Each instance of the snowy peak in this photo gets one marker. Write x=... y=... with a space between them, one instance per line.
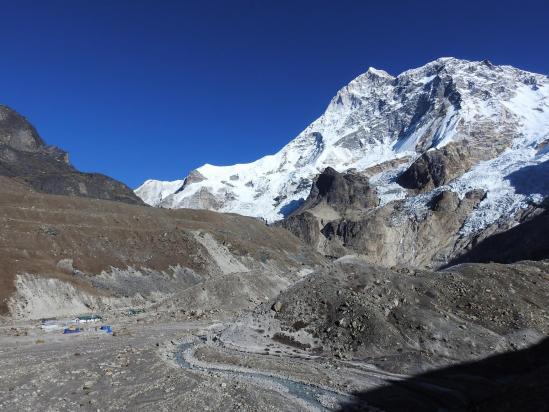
x=156 y=190
x=378 y=119
x=372 y=71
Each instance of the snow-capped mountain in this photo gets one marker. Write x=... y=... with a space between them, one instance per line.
x=497 y=115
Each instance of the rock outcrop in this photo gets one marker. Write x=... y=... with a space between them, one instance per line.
x=349 y=219
x=438 y=167
x=25 y=157
x=341 y=192
x=16 y=132
x=526 y=241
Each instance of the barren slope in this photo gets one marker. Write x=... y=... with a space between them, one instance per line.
x=115 y=249
x=405 y=321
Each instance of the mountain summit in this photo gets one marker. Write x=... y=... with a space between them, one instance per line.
x=452 y=123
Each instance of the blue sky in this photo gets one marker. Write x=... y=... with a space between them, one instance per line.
x=153 y=89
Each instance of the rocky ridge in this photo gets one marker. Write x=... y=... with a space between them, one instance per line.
x=24 y=156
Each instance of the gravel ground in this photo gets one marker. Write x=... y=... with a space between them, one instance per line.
x=132 y=370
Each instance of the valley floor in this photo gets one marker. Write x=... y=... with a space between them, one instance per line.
x=167 y=365
x=142 y=367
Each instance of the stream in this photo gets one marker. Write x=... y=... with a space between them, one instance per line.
x=310 y=394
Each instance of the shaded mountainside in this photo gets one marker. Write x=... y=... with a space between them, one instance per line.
x=528 y=240
x=62 y=254
x=25 y=157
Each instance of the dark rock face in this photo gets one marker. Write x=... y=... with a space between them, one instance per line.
x=17 y=133
x=390 y=235
x=304 y=226
x=25 y=157
x=426 y=172
x=341 y=191
x=335 y=194
x=444 y=202
x=438 y=167
x=193 y=177
x=435 y=168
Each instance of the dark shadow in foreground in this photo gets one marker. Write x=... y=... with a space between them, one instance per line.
x=512 y=381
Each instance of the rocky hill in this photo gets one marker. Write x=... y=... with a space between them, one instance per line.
x=342 y=216
x=405 y=320
x=469 y=338
x=24 y=156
